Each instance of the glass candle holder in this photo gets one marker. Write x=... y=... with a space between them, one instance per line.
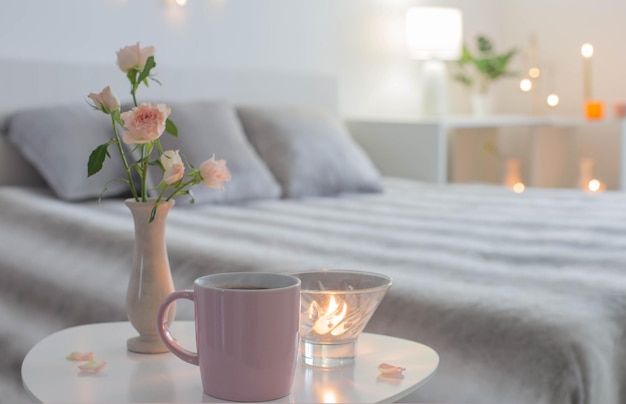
x=335 y=308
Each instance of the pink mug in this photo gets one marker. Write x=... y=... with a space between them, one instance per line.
x=246 y=333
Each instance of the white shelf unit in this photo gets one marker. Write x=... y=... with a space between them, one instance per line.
x=422 y=149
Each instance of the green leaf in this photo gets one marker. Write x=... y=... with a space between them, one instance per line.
x=156 y=163
x=463 y=79
x=157 y=143
x=104 y=189
x=162 y=185
x=153 y=213
x=147 y=149
x=484 y=45
x=488 y=64
x=187 y=163
x=138 y=168
x=150 y=64
x=132 y=76
x=171 y=128
x=96 y=159
x=466 y=55
x=155 y=80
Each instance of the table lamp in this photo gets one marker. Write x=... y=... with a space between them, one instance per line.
x=434 y=35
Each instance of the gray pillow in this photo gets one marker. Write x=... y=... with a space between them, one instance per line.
x=57 y=141
x=211 y=127
x=309 y=151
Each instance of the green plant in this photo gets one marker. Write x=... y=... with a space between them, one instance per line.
x=481 y=68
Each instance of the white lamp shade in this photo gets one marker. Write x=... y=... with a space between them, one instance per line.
x=434 y=33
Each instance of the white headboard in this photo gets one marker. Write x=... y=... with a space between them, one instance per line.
x=26 y=84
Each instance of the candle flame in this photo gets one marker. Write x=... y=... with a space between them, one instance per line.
x=519 y=187
x=526 y=85
x=329 y=397
x=586 y=50
x=552 y=100
x=534 y=72
x=594 y=185
x=330 y=321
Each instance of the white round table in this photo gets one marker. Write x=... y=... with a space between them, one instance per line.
x=129 y=377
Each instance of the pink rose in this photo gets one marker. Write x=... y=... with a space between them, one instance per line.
x=133 y=57
x=144 y=123
x=214 y=172
x=173 y=165
x=105 y=101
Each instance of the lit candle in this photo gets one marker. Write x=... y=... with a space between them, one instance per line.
x=587 y=51
x=335 y=307
x=526 y=85
x=519 y=187
x=596 y=185
x=552 y=100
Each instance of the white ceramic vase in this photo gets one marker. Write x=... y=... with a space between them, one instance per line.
x=150 y=279
x=481 y=104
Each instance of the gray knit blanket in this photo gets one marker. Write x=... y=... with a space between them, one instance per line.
x=523 y=296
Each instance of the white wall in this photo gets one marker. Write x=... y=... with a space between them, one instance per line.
x=359 y=41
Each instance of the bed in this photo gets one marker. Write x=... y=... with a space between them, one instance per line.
x=523 y=296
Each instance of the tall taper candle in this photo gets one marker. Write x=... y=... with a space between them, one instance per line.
x=587 y=51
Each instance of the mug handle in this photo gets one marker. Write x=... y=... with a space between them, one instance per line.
x=164 y=329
